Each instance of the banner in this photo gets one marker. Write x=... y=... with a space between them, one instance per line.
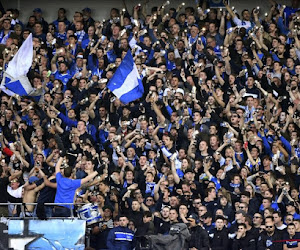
x=46 y=234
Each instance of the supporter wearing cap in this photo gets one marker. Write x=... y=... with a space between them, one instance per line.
x=199 y=237
x=87 y=18
x=291 y=209
x=37 y=12
x=30 y=193
x=207 y=222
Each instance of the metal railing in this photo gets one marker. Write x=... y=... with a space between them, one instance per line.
x=23 y=209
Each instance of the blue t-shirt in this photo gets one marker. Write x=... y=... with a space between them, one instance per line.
x=65 y=190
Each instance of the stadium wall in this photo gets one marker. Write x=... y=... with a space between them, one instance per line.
x=100 y=8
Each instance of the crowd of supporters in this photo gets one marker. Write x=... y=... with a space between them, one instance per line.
x=212 y=144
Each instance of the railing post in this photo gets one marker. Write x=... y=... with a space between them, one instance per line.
x=72 y=213
x=23 y=210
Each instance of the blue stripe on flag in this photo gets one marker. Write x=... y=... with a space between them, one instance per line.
x=126 y=83
x=7 y=79
x=121 y=73
x=16 y=87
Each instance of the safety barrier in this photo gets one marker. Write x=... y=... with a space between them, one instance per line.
x=23 y=210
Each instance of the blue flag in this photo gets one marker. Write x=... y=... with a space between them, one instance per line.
x=126 y=83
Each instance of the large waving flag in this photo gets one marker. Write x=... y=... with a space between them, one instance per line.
x=15 y=80
x=126 y=83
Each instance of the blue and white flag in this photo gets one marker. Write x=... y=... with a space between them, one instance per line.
x=126 y=83
x=15 y=80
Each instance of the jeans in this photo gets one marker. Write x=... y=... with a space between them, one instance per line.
x=48 y=211
x=61 y=212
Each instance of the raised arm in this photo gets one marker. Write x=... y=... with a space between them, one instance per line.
x=58 y=165
x=89 y=177
x=176 y=177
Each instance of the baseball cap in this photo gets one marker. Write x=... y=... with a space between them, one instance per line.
x=38 y=10
x=179 y=90
x=87 y=10
x=32 y=179
x=194 y=216
x=291 y=203
x=189 y=170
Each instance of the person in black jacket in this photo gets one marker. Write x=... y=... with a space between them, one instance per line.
x=199 y=237
x=219 y=235
x=242 y=240
x=271 y=238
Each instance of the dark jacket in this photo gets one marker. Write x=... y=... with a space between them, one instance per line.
x=120 y=238
x=199 y=238
x=273 y=242
x=219 y=239
x=245 y=243
x=177 y=239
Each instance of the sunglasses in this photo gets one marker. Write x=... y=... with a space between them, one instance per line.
x=241 y=207
x=197 y=203
x=269 y=226
x=257 y=217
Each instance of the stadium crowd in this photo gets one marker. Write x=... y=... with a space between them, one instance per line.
x=212 y=144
